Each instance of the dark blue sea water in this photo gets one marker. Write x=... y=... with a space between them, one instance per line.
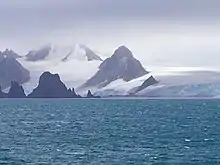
x=110 y=132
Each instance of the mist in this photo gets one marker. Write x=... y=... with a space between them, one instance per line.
x=175 y=33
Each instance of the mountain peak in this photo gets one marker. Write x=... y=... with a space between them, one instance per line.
x=122 y=52
x=12 y=70
x=9 y=53
x=48 y=76
x=121 y=65
x=16 y=91
x=40 y=54
x=150 y=81
x=50 y=86
x=90 y=55
x=62 y=53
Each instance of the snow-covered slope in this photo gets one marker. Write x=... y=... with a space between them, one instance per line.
x=121 y=87
x=171 y=83
x=53 y=52
x=185 y=84
x=70 y=63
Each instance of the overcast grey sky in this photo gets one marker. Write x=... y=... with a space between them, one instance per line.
x=158 y=31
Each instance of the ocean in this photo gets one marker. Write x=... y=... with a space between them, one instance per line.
x=109 y=132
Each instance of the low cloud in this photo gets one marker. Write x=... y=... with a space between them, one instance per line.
x=181 y=32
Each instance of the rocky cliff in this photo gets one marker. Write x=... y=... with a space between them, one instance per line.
x=150 y=81
x=50 y=86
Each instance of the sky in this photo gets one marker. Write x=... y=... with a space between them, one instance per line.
x=159 y=32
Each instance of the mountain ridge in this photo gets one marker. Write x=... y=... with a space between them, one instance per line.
x=62 y=53
x=12 y=70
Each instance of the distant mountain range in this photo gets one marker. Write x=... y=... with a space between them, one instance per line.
x=121 y=65
x=51 y=51
x=121 y=74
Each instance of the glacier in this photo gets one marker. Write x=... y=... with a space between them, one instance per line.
x=185 y=84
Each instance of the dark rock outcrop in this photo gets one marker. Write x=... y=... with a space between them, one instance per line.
x=50 y=86
x=12 y=70
x=150 y=81
x=72 y=93
x=122 y=65
x=90 y=95
x=90 y=55
x=37 y=55
x=10 y=54
x=67 y=57
x=16 y=91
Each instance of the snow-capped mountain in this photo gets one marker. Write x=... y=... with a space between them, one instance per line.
x=121 y=65
x=55 y=52
x=84 y=52
x=119 y=75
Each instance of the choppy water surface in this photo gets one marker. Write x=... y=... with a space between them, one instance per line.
x=110 y=132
